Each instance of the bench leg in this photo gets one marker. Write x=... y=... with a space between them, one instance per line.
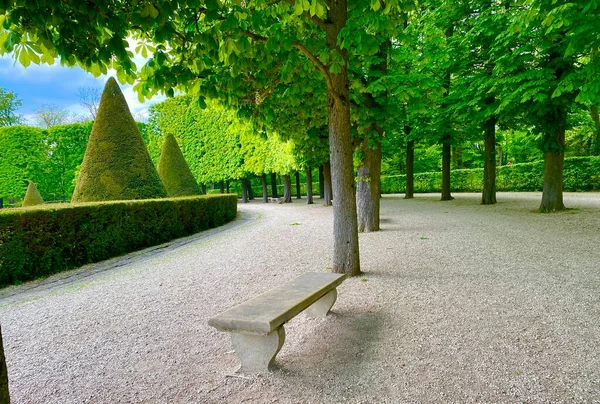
x=257 y=352
x=321 y=307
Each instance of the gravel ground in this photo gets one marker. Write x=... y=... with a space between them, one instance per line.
x=458 y=303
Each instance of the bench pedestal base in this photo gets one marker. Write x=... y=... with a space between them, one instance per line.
x=321 y=307
x=257 y=352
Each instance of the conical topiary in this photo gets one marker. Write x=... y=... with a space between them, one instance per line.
x=174 y=171
x=32 y=196
x=116 y=164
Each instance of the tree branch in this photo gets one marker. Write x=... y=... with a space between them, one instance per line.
x=320 y=66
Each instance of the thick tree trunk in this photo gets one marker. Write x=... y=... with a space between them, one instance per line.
x=298 y=196
x=4 y=393
x=554 y=158
x=309 y=189
x=345 y=228
x=265 y=189
x=222 y=187
x=328 y=193
x=446 y=157
x=321 y=183
x=368 y=189
x=274 y=185
x=244 y=190
x=488 y=196
x=287 y=189
x=410 y=168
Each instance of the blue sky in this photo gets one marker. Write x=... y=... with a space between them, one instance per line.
x=41 y=85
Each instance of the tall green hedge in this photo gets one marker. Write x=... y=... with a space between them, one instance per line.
x=580 y=174
x=39 y=242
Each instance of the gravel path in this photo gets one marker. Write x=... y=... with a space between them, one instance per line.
x=459 y=303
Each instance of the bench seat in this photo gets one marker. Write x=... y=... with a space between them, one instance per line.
x=256 y=326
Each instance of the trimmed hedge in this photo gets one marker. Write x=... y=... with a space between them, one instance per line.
x=580 y=174
x=43 y=241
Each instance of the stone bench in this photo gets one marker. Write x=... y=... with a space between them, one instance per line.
x=256 y=326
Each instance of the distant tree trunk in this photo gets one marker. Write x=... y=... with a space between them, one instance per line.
x=203 y=189
x=595 y=149
x=327 y=184
x=488 y=196
x=4 y=393
x=244 y=190
x=287 y=189
x=222 y=187
x=309 y=190
x=227 y=185
x=446 y=157
x=274 y=185
x=554 y=156
x=298 y=196
x=499 y=155
x=250 y=192
x=410 y=167
x=1 y=203
x=265 y=189
x=457 y=157
x=321 y=182
x=368 y=189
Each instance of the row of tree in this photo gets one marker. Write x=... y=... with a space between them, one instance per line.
x=356 y=74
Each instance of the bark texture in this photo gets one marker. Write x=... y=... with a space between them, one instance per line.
x=287 y=189
x=4 y=393
x=488 y=197
x=410 y=167
x=265 y=189
x=446 y=158
x=309 y=188
x=554 y=160
x=368 y=188
x=328 y=189
x=345 y=228
x=321 y=183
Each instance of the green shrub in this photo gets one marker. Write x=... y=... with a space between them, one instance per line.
x=32 y=196
x=174 y=171
x=116 y=164
x=38 y=242
x=580 y=174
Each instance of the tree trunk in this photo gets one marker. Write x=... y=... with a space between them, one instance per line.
x=298 y=196
x=488 y=196
x=222 y=187
x=309 y=190
x=368 y=189
x=345 y=227
x=250 y=192
x=321 y=183
x=203 y=189
x=244 y=190
x=227 y=185
x=410 y=168
x=554 y=159
x=499 y=155
x=595 y=149
x=263 y=180
x=328 y=196
x=287 y=189
x=4 y=393
x=274 y=185
x=446 y=157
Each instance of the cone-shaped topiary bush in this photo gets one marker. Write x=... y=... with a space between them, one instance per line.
x=116 y=164
x=32 y=196
x=174 y=171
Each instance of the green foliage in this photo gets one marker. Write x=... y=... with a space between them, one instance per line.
x=116 y=165
x=32 y=196
x=39 y=242
x=23 y=157
x=580 y=174
x=174 y=171
x=9 y=103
